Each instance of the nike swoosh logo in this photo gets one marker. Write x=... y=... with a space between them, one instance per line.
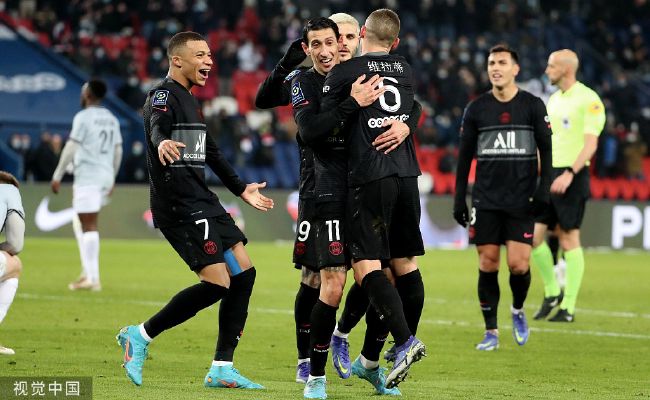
x=47 y=220
x=127 y=350
x=231 y=384
x=528 y=235
x=518 y=337
x=344 y=370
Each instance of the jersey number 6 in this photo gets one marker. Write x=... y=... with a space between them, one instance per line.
x=394 y=91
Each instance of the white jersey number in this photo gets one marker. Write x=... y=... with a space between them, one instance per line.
x=394 y=91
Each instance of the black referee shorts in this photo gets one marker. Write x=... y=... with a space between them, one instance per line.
x=499 y=226
x=383 y=219
x=568 y=210
x=204 y=242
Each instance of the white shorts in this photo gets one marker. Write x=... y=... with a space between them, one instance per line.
x=89 y=199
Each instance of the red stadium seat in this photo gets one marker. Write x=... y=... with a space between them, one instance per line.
x=626 y=189
x=641 y=190
x=612 y=189
x=597 y=188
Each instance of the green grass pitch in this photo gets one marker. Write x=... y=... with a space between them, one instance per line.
x=605 y=354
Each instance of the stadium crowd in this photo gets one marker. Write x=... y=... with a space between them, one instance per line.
x=444 y=40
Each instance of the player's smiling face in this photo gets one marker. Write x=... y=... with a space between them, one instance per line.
x=349 y=41
x=323 y=49
x=195 y=61
x=502 y=69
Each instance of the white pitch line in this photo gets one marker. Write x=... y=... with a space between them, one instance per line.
x=284 y=311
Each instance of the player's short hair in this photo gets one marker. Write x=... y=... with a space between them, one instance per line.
x=97 y=88
x=343 y=18
x=382 y=26
x=317 y=24
x=504 y=48
x=6 y=177
x=180 y=39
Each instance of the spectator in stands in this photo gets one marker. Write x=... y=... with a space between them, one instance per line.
x=607 y=156
x=227 y=65
x=249 y=56
x=135 y=165
x=45 y=158
x=634 y=150
x=131 y=93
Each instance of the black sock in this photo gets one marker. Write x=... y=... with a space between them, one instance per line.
x=554 y=245
x=323 y=321
x=411 y=290
x=233 y=312
x=488 y=296
x=183 y=306
x=376 y=333
x=519 y=285
x=356 y=304
x=385 y=299
x=305 y=300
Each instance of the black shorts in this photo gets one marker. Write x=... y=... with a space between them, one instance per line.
x=568 y=210
x=330 y=234
x=383 y=219
x=204 y=242
x=498 y=226
x=304 y=247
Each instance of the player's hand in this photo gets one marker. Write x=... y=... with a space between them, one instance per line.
x=252 y=196
x=55 y=185
x=168 y=151
x=366 y=93
x=461 y=213
x=389 y=140
x=562 y=183
x=294 y=56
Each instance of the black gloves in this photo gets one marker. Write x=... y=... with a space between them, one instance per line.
x=294 y=56
x=461 y=213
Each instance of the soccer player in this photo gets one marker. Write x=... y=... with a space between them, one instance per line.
x=273 y=92
x=577 y=117
x=317 y=128
x=504 y=129
x=95 y=149
x=12 y=221
x=382 y=210
x=191 y=218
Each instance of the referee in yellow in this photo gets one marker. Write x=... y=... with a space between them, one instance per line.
x=577 y=117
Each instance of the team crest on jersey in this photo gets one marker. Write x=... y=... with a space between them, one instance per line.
x=297 y=97
x=159 y=98
x=292 y=75
x=336 y=248
x=595 y=108
x=299 y=249
x=210 y=247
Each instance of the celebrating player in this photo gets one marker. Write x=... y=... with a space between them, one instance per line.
x=504 y=129
x=191 y=218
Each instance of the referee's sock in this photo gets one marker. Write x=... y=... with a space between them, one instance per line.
x=356 y=304
x=385 y=299
x=305 y=300
x=519 y=285
x=376 y=333
x=543 y=260
x=183 y=306
x=411 y=290
x=233 y=312
x=575 y=269
x=323 y=320
x=488 y=296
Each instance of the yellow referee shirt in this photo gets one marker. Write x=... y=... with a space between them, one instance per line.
x=572 y=114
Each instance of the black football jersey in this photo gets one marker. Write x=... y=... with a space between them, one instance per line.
x=178 y=191
x=318 y=128
x=504 y=137
x=365 y=163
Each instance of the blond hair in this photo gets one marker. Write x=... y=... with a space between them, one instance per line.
x=343 y=18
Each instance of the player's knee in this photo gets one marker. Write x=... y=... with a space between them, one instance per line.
x=311 y=279
x=519 y=267
x=489 y=263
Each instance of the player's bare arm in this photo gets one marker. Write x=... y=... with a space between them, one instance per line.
x=367 y=93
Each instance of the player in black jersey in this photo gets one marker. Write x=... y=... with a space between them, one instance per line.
x=190 y=216
x=275 y=91
x=383 y=200
x=504 y=129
